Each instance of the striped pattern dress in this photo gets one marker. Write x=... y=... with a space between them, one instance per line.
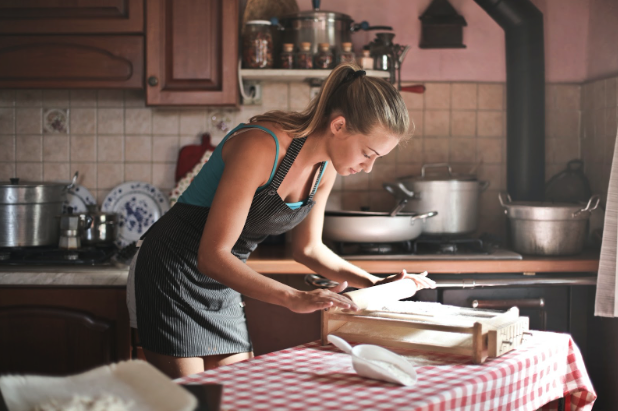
x=184 y=313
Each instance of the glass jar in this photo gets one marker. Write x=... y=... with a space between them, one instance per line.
x=286 y=58
x=304 y=57
x=346 y=55
x=324 y=57
x=257 y=44
x=366 y=62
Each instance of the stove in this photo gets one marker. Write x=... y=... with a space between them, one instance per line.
x=427 y=248
x=50 y=255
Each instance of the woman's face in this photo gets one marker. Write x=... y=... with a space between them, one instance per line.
x=353 y=153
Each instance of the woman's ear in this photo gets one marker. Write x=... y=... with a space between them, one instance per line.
x=337 y=125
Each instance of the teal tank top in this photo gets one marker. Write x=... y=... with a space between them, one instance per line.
x=202 y=189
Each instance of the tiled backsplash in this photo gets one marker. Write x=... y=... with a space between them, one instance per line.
x=113 y=137
x=598 y=131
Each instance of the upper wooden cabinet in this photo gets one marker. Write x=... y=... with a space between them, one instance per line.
x=192 y=52
x=71 y=16
x=72 y=61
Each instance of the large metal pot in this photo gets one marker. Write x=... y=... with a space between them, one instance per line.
x=28 y=211
x=454 y=196
x=373 y=227
x=544 y=228
x=316 y=26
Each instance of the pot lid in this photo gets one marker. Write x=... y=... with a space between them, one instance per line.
x=445 y=173
x=259 y=22
x=546 y=210
x=19 y=183
x=316 y=15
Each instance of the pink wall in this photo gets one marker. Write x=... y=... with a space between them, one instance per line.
x=566 y=34
x=602 y=56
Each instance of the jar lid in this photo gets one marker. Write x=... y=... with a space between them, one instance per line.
x=324 y=46
x=288 y=46
x=346 y=45
x=305 y=45
x=262 y=22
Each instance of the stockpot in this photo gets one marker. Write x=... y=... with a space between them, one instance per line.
x=317 y=26
x=454 y=196
x=545 y=228
x=373 y=226
x=28 y=211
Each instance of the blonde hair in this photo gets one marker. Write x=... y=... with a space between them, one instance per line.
x=364 y=102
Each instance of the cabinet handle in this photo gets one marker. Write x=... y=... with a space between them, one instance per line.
x=153 y=81
x=538 y=303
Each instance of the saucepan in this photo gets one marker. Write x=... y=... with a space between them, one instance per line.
x=373 y=226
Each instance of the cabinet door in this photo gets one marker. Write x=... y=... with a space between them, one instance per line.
x=62 y=331
x=71 y=16
x=47 y=340
x=192 y=52
x=71 y=61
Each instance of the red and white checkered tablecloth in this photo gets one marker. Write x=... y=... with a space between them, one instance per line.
x=546 y=367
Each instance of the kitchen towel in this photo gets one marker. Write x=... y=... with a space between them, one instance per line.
x=605 y=303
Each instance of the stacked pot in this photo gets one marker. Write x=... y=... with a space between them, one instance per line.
x=454 y=196
x=28 y=211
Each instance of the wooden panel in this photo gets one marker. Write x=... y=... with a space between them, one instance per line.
x=71 y=61
x=71 y=16
x=92 y=322
x=192 y=52
x=53 y=341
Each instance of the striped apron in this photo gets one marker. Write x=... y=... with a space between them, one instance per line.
x=182 y=312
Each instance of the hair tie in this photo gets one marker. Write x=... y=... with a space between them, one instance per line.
x=358 y=73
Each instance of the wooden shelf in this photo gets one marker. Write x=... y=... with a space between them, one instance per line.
x=296 y=74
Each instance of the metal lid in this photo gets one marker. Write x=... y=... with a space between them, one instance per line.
x=316 y=15
x=16 y=191
x=260 y=22
x=448 y=176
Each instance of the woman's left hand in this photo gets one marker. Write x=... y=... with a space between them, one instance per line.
x=421 y=279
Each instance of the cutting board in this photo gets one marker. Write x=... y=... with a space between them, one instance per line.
x=190 y=155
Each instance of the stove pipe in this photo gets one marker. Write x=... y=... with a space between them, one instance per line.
x=525 y=90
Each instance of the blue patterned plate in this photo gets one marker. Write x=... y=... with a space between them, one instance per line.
x=138 y=205
x=79 y=198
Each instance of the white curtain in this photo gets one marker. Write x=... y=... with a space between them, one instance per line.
x=606 y=304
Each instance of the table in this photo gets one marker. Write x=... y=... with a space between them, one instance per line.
x=548 y=366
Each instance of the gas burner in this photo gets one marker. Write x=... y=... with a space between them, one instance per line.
x=447 y=245
x=71 y=255
x=343 y=248
x=47 y=255
x=448 y=248
x=377 y=248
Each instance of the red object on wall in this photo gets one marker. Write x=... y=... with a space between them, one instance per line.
x=420 y=89
x=190 y=155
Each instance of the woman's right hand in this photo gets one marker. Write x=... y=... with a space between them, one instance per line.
x=321 y=299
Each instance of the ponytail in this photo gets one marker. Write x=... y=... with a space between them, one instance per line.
x=364 y=102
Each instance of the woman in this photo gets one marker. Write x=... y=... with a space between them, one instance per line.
x=263 y=179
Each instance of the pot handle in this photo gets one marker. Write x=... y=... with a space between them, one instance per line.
x=436 y=165
x=508 y=197
x=596 y=199
x=424 y=215
x=484 y=185
x=73 y=181
x=398 y=188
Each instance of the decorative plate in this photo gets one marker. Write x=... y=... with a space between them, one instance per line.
x=139 y=205
x=79 y=198
x=56 y=120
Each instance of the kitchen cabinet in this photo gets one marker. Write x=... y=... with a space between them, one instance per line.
x=62 y=330
x=88 y=61
x=71 y=17
x=273 y=328
x=192 y=52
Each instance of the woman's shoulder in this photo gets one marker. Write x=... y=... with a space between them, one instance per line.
x=258 y=140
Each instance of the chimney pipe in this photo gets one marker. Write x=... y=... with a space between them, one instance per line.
x=525 y=90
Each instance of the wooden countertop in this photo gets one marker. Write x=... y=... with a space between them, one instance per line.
x=269 y=259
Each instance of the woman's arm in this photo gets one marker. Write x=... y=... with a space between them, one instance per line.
x=309 y=249
x=249 y=158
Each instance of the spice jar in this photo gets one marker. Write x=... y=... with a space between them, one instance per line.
x=324 y=57
x=346 y=55
x=286 y=58
x=257 y=44
x=304 y=57
x=366 y=62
